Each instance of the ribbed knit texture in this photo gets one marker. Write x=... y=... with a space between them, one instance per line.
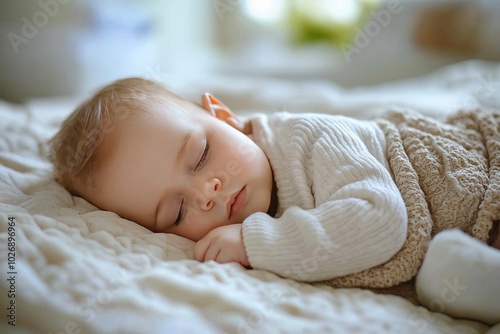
x=339 y=210
x=341 y=218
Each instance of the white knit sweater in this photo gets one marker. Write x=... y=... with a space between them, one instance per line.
x=339 y=210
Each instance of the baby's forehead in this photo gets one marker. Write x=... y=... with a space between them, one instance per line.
x=175 y=122
x=173 y=110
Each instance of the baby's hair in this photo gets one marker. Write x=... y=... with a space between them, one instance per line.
x=79 y=148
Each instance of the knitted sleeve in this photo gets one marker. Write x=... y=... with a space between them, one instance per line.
x=348 y=214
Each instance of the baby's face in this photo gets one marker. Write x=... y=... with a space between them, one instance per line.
x=183 y=172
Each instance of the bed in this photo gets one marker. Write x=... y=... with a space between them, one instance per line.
x=68 y=267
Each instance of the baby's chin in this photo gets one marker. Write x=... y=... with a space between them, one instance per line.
x=261 y=209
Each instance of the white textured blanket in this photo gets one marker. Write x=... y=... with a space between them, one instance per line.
x=70 y=268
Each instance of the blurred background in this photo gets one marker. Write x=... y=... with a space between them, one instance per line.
x=66 y=47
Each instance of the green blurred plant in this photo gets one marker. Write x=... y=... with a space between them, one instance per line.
x=332 y=21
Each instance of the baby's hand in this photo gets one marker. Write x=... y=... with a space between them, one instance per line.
x=222 y=244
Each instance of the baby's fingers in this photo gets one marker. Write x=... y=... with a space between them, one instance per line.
x=201 y=248
x=212 y=253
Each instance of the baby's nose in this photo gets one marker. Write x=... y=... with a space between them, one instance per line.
x=210 y=191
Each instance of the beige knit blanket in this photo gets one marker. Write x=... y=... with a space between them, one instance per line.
x=449 y=176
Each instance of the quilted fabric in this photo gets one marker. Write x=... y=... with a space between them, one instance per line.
x=79 y=268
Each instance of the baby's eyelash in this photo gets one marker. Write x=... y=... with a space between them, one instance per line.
x=181 y=215
x=201 y=163
x=203 y=158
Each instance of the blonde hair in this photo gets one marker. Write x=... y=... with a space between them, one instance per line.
x=79 y=147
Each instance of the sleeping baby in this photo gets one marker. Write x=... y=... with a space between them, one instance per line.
x=311 y=197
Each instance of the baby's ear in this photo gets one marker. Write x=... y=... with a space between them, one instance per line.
x=219 y=110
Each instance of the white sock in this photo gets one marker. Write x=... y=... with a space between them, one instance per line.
x=460 y=276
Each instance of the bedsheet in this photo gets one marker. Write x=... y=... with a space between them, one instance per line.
x=68 y=267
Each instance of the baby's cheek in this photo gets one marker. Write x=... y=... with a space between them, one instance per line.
x=191 y=217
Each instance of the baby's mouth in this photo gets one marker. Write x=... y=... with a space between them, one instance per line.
x=236 y=202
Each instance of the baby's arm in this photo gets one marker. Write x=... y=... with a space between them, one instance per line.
x=344 y=212
x=361 y=228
